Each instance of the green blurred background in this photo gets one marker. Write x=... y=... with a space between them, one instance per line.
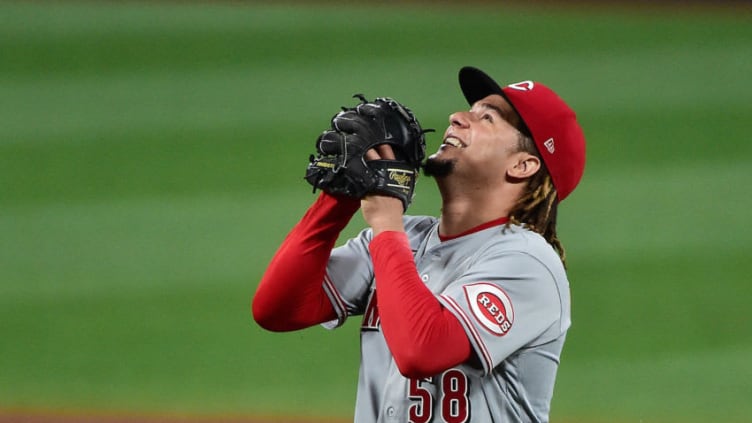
x=151 y=161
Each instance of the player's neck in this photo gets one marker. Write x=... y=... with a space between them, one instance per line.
x=464 y=210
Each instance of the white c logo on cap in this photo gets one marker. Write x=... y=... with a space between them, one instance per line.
x=522 y=86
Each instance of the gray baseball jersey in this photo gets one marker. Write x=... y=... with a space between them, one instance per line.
x=509 y=290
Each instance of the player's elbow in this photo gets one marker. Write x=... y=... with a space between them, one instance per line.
x=265 y=315
x=412 y=364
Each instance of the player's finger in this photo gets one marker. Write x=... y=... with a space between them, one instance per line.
x=385 y=151
x=371 y=154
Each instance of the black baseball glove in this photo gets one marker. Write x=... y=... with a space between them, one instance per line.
x=340 y=166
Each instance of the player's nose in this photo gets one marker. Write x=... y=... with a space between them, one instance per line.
x=459 y=119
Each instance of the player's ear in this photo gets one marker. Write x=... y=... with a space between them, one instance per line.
x=525 y=166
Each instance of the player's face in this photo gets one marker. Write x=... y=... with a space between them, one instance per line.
x=478 y=141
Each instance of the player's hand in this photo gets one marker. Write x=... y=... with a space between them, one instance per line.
x=382 y=212
x=352 y=158
x=380 y=152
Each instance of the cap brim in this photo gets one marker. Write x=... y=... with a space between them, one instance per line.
x=476 y=84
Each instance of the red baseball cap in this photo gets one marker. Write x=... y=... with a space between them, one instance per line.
x=552 y=124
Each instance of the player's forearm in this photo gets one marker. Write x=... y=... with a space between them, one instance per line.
x=290 y=295
x=382 y=213
x=422 y=335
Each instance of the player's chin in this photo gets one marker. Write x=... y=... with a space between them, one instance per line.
x=437 y=167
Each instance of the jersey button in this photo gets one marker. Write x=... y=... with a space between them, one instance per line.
x=424 y=278
x=390 y=411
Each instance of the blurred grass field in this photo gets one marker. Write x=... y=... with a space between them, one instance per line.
x=151 y=160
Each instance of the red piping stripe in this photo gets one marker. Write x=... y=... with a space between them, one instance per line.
x=473 y=332
x=338 y=302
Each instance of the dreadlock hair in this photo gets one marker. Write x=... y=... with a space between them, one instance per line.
x=536 y=209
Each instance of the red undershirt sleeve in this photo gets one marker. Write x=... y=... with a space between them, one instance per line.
x=290 y=295
x=424 y=337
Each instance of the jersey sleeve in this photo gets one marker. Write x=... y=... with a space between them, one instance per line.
x=348 y=278
x=290 y=295
x=349 y=273
x=508 y=301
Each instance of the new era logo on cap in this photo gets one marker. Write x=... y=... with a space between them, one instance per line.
x=552 y=123
x=550 y=145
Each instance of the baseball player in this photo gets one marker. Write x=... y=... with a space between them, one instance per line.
x=464 y=315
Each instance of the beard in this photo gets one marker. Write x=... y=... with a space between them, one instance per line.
x=438 y=168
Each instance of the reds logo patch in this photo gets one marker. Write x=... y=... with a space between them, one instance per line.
x=491 y=307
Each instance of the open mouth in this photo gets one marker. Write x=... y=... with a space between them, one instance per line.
x=454 y=142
